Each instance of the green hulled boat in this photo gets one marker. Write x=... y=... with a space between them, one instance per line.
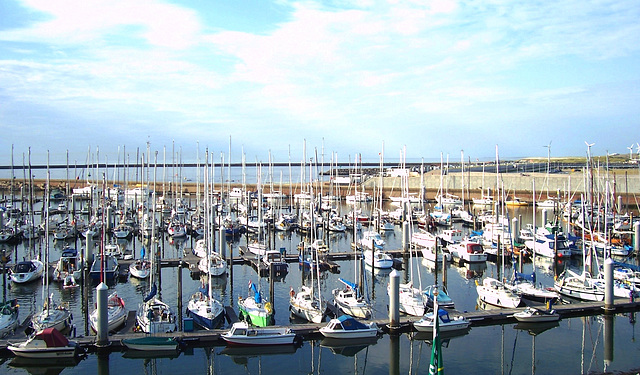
x=255 y=310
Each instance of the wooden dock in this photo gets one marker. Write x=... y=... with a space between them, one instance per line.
x=311 y=330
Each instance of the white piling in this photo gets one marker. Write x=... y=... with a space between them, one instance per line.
x=636 y=237
x=515 y=229
x=394 y=299
x=405 y=235
x=88 y=249
x=608 y=284
x=102 y=326
x=223 y=242
x=619 y=203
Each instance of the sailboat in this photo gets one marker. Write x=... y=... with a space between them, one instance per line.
x=52 y=315
x=254 y=309
x=206 y=311
x=153 y=314
x=305 y=304
x=350 y=302
x=493 y=291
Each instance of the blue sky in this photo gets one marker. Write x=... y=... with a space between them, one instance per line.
x=434 y=76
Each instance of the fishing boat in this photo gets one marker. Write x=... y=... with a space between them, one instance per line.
x=349 y=301
x=446 y=323
x=27 y=271
x=116 y=314
x=152 y=344
x=8 y=317
x=531 y=314
x=46 y=343
x=254 y=310
x=493 y=292
x=347 y=327
x=242 y=334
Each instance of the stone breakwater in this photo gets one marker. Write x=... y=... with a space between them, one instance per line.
x=625 y=184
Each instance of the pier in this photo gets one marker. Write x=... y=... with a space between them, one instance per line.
x=307 y=331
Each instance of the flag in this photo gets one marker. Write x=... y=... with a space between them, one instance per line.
x=436 y=366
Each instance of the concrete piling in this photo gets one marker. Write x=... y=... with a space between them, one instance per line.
x=102 y=326
x=394 y=299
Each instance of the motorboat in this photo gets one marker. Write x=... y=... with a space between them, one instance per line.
x=446 y=323
x=347 y=327
x=372 y=240
x=116 y=313
x=9 y=317
x=122 y=231
x=109 y=268
x=243 y=334
x=47 y=343
x=468 y=251
x=275 y=259
x=140 y=268
x=69 y=264
x=254 y=310
x=27 y=271
x=379 y=259
x=494 y=292
x=152 y=344
x=531 y=314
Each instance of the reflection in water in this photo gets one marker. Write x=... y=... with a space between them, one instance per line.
x=347 y=347
x=44 y=366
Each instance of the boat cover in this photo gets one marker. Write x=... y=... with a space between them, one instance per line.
x=350 y=324
x=52 y=337
x=256 y=294
x=444 y=315
x=517 y=276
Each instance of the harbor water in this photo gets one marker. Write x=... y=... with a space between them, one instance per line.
x=583 y=345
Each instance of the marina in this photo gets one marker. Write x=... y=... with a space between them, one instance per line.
x=338 y=255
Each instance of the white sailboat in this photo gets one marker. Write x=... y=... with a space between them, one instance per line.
x=52 y=315
x=154 y=315
x=206 y=311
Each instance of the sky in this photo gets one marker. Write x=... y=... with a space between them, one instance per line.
x=339 y=78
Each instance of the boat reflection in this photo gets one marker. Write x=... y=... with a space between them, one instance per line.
x=535 y=329
x=239 y=352
x=44 y=366
x=444 y=336
x=347 y=347
x=148 y=354
x=472 y=270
